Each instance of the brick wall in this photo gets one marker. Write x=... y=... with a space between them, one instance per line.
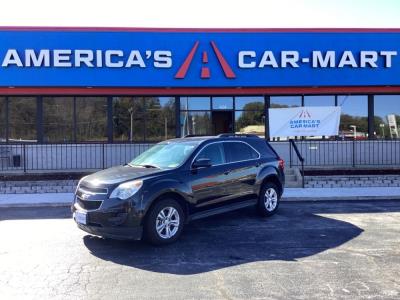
x=33 y=187
x=352 y=181
x=69 y=186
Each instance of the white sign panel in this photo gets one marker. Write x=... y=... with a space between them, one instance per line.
x=304 y=121
x=393 y=126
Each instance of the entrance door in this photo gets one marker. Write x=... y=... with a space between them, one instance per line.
x=222 y=122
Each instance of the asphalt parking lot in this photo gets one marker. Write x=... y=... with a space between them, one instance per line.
x=324 y=250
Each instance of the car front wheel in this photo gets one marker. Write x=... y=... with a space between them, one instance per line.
x=269 y=199
x=164 y=223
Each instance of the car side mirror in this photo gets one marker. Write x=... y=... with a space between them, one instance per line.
x=201 y=163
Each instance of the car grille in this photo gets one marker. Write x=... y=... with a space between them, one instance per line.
x=93 y=190
x=88 y=204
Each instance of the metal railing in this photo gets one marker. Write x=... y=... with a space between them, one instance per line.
x=27 y=157
x=293 y=146
x=31 y=157
x=352 y=153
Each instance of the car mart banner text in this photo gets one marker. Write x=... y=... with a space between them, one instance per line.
x=304 y=121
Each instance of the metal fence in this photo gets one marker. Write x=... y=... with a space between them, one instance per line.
x=25 y=157
x=355 y=153
x=29 y=157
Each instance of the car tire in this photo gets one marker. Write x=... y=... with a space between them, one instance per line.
x=269 y=198
x=164 y=222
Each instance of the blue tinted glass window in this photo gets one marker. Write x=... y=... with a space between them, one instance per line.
x=214 y=152
x=195 y=103
x=249 y=103
x=319 y=100
x=236 y=151
x=387 y=116
x=222 y=103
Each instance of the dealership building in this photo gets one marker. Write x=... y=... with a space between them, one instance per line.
x=103 y=91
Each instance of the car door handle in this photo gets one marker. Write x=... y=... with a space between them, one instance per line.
x=227 y=172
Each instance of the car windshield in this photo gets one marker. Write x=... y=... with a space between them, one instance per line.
x=165 y=155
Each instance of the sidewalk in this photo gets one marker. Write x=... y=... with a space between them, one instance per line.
x=290 y=194
x=355 y=193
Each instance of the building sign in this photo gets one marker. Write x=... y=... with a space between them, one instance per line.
x=304 y=121
x=198 y=59
x=394 y=133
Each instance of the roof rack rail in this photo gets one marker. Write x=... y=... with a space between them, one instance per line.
x=193 y=135
x=238 y=135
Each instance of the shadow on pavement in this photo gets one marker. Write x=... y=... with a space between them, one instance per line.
x=241 y=237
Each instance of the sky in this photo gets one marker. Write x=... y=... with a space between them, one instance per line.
x=203 y=14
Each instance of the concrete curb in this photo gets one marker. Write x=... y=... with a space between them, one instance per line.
x=33 y=205
x=36 y=200
x=354 y=198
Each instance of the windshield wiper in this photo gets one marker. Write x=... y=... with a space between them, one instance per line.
x=147 y=166
x=150 y=166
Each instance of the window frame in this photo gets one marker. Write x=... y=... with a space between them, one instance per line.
x=208 y=145
x=243 y=160
x=223 y=145
x=267 y=102
x=36 y=123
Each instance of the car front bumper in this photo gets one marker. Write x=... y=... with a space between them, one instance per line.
x=113 y=219
x=118 y=233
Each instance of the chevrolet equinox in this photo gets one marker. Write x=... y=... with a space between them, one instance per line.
x=177 y=181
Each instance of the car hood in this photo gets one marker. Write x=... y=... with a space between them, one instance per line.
x=118 y=174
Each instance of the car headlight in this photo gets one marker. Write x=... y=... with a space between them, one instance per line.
x=79 y=183
x=126 y=189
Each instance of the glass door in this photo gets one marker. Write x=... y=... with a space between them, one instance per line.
x=222 y=115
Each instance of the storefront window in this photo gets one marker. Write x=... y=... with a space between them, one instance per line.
x=249 y=103
x=195 y=103
x=160 y=118
x=319 y=100
x=128 y=119
x=22 y=119
x=354 y=117
x=3 y=122
x=195 y=122
x=91 y=119
x=250 y=115
x=222 y=103
x=140 y=119
x=250 y=122
x=285 y=101
x=58 y=119
x=387 y=116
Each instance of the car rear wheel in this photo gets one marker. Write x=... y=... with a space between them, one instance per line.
x=164 y=222
x=269 y=199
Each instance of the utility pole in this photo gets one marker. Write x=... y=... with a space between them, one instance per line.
x=131 y=131
x=166 y=127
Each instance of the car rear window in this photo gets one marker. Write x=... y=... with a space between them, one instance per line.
x=237 y=151
x=270 y=152
x=264 y=148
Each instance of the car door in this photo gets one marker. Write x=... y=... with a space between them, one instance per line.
x=243 y=166
x=208 y=184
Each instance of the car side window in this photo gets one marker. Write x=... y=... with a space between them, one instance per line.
x=236 y=151
x=214 y=152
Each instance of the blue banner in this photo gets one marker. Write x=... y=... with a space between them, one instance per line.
x=198 y=59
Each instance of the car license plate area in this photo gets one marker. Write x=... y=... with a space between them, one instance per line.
x=81 y=217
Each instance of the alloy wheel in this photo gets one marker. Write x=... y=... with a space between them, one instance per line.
x=270 y=199
x=167 y=222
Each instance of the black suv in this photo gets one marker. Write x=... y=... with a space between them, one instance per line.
x=177 y=181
